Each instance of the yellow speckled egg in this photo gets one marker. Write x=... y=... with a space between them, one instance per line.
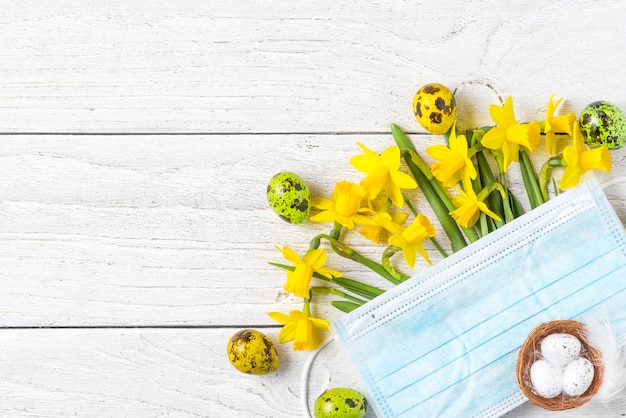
x=435 y=108
x=252 y=352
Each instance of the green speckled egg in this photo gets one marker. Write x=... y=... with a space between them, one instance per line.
x=435 y=108
x=289 y=197
x=340 y=403
x=603 y=123
x=252 y=352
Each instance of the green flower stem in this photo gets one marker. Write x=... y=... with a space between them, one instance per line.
x=322 y=290
x=545 y=173
x=496 y=201
x=387 y=254
x=530 y=180
x=410 y=205
x=347 y=252
x=336 y=232
x=508 y=212
x=439 y=191
x=362 y=289
x=442 y=211
x=516 y=206
x=306 y=309
x=345 y=306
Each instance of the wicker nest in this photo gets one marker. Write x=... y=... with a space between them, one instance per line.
x=530 y=352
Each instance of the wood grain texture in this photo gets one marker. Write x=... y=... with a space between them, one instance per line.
x=128 y=259
x=159 y=230
x=316 y=66
x=171 y=372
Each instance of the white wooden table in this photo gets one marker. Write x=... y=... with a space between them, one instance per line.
x=137 y=139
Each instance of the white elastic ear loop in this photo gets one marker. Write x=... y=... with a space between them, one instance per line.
x=482 y=83
x=616 y=180
x=304 y=384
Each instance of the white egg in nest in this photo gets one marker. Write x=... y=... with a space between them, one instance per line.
x=560 y=348
x=546 y=378
x=577 y=376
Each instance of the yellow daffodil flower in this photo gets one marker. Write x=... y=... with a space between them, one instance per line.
x=453 y=163
x=383 y=173
x=579 y=160
x=468 y=208
x=554 y=124
x=344 y=208
x=508 y=135
x=375 y=232
x=411 y=238
x=300 y=328
x=299 y=279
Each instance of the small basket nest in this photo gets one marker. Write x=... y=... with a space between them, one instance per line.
x=530 y=352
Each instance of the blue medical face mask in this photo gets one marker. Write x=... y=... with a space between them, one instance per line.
x=445 y=342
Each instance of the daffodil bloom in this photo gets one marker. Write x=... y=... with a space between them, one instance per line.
x=508 y=135
x=468 y=208
x=411 y=238
x=553 y=124
x=580 y=160
x=453 y=163
x=383 y=173
x=300 y=328
x=375 y=232
x=344 y=208
x=298 y=280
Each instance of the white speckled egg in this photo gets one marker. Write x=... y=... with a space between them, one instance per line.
x=546 y=378
x=577 y=376
x=560 y=348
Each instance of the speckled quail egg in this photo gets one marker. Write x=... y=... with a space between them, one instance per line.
x=435 y=108
x=603 y=123
x=252 y=352
x=289 y=197
x=340 y=403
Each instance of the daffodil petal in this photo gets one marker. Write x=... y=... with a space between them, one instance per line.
x=402 y=180
x=322 y=203
x=390 y=158
x=483 y=208
x=287 y=333
x=494 y=138
x=571 y=177
x=291 y=255
x=438 y=152
x=324 y=216
x=409 y=256
x=279 y=317
x=315 y=258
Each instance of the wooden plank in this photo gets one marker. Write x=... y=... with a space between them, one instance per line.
x=167 y=230
x=169 y=372
x=316 y=66
x=155 y=230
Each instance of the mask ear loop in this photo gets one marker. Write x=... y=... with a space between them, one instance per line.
x=481 y=83
x=616 y=180
x=306 y=371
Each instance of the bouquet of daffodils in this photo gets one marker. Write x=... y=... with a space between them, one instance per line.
x=468 y=196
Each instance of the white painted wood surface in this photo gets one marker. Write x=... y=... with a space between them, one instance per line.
x=128 y=259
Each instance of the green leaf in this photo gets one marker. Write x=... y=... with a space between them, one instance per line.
x=441 y=210
x=361 y=289
x=344 y=306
